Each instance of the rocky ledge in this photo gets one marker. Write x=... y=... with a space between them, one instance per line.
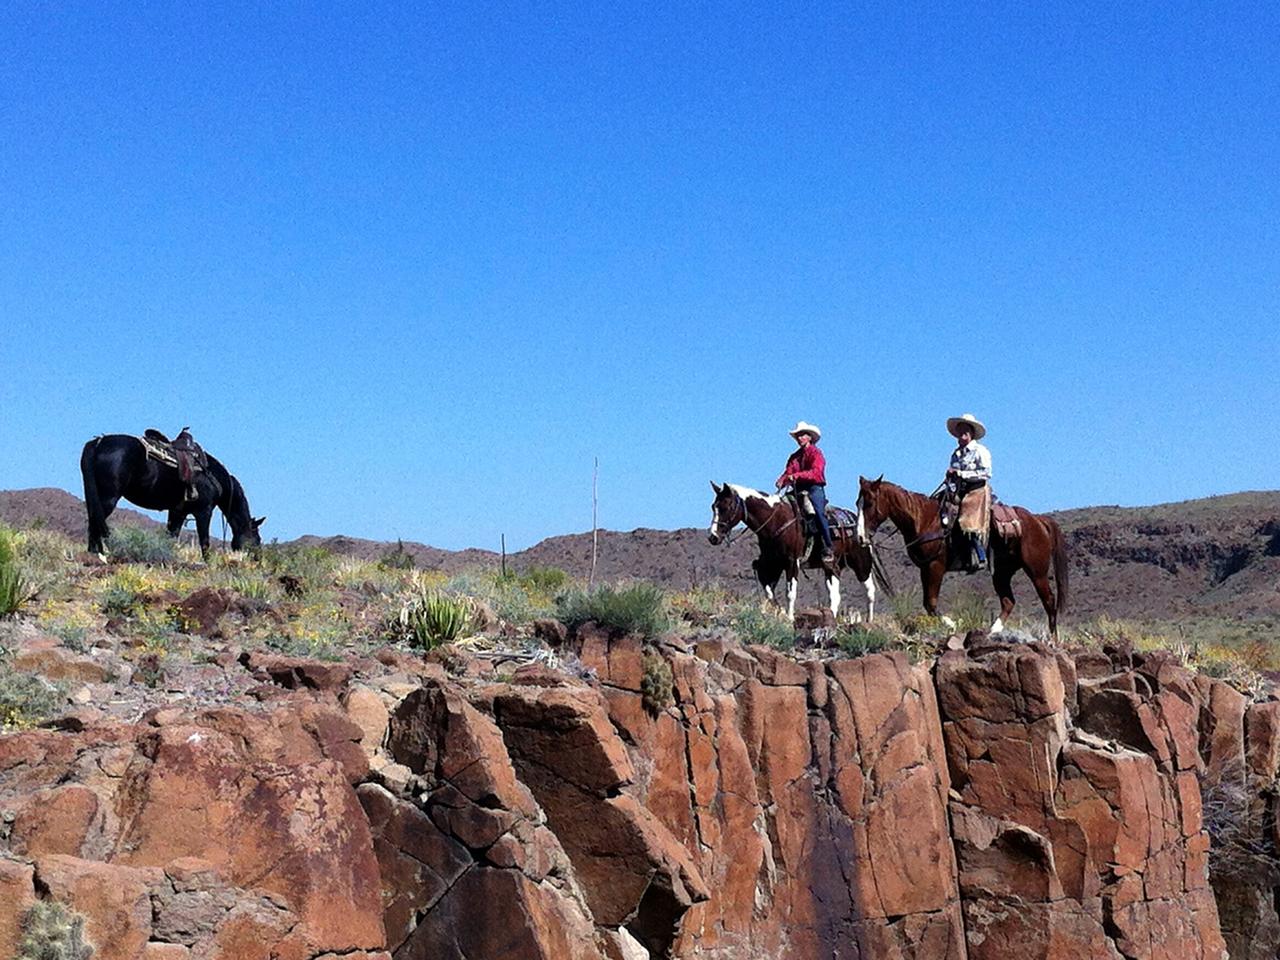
x=707 y=801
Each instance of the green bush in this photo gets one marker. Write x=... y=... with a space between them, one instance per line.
x=972 y=611
x=15 y=589
x=756 y=624
x=26 y=699
x=638 y=609
x=657 y=686
x=859 y=640
x=431 y=619
x=139 y=545
x=397 y=559
x=52 y=931
x=309 y=567
x=547 y=581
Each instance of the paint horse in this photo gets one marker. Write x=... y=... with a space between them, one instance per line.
x=1038 y=547
x=779 y=526
x=117 y=465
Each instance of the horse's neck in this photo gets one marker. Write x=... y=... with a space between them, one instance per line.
x=913 y=513
x=760 y=514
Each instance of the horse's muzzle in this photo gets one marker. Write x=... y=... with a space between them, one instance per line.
x=714 y=538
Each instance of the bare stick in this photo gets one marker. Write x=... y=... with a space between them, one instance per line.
x=504 y=556
x=595 y=530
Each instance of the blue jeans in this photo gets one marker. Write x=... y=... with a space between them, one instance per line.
x=818 y=497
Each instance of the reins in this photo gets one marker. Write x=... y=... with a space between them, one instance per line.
x=730 y=539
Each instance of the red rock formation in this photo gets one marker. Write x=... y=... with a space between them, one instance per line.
x=1005 y=802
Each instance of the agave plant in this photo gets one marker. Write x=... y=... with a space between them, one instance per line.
x=432 y=618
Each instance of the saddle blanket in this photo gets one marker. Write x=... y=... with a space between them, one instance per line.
x=840 y=517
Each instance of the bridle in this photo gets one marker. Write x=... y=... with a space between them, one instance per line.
x=727 y=535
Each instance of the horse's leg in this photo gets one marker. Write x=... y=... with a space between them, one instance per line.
x=177 y=518
x=869 y=585
x=1002 y=580
x=930 y=586
x=1047 y=598
x=203 y=516
x=99 y=532
x=767 y=577
x=793 y=581
x=833 y=592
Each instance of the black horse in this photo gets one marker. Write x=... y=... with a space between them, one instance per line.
x=117 y=465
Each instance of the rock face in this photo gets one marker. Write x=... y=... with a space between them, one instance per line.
x=1005 y=801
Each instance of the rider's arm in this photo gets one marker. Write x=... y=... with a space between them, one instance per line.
x=981 y=470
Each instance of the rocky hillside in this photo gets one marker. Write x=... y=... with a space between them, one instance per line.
x=1217 y=557
x=254 y=758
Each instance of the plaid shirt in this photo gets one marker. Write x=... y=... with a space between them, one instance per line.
x=972 y=462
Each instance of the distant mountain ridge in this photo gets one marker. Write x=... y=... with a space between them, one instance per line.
x=1218 y=556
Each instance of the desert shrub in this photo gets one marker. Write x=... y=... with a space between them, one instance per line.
x=26 y=699
x=139 y=545
x=971 y=610
x=754 y=623
x=906 y=605
x=542 y=581
x=15 y=589
x=124 y=593
x=922 y=625
x=1233 y=813
x=860 y=639
x=639 y=609
x=397 y=559
x=249 y=586
x=52 y=931
x=701 y=606
x=657 y=686
x=47 y=557
x=310 y=568
x=431 y=618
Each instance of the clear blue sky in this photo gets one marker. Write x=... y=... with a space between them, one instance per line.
x=408 y=269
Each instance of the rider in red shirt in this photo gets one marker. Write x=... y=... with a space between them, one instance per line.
x=806 y=473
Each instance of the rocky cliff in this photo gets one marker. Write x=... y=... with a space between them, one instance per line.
x=705 y=801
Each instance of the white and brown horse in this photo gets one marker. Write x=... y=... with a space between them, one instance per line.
x=779 y=526
x=1039 y=549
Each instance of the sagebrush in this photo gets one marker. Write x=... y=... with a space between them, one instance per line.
x=639 y=609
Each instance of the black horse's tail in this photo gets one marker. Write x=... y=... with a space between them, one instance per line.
x=93 y=503
x=1059 y=545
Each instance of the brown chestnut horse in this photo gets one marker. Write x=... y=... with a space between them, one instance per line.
x=1040 y=547
x=780 y=529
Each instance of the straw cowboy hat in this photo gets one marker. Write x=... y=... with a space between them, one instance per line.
x=953 y=425
x=808 y=428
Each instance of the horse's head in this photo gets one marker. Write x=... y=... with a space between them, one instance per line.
x=871 y=506
x=727 y=511
x=247 y=538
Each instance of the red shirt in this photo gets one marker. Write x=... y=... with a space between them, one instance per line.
x=806 y=465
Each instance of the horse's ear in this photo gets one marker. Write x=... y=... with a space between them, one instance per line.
x=714 y=487
x=259 y=521
x=879 y=479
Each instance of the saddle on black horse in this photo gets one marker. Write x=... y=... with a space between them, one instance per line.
x=181 y=452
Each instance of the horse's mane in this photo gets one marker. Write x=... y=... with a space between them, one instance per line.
x=745 y=492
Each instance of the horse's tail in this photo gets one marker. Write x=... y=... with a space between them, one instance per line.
x=92 y=501
x=1058 y=544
